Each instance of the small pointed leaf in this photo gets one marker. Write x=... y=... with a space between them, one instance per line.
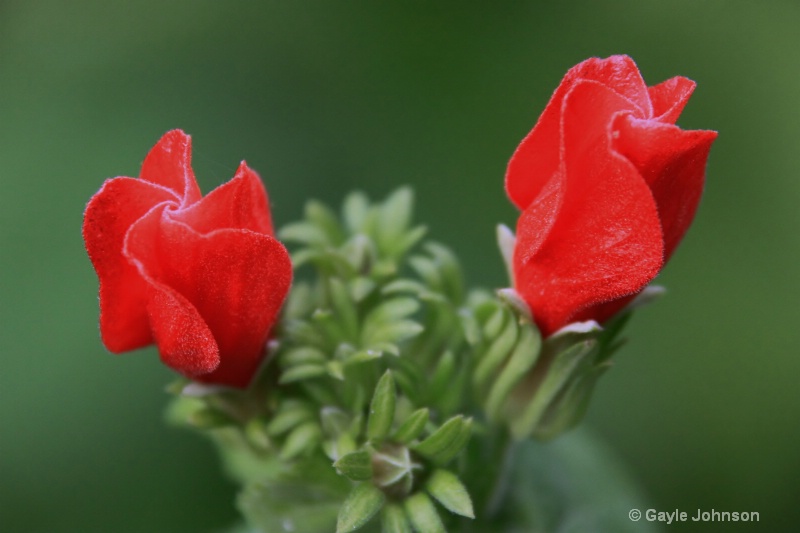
x=447 y=441
x=393 y=520
x=301 y=372
x=448 y=490
x=361 y=504
x=301 y=439
x=413 y=426
x=381 y=412
x=423 y=515
x=355 y=465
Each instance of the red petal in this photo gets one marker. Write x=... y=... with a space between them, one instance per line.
x=673 y=162
x=185 y=343
x=240 y=204
x=670 y=97
x=109 y=214
x=620 y=74
x=169 y=164
x=538 y=156
x=606 y=240
x=236 y=280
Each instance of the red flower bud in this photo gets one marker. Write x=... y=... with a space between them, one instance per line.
x=607 y=185
x=202 y=277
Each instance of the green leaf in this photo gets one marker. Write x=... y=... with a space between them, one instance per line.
x=362 y=356
x=404 y=285
x=456 y=446
x=447 y=264
x=407 y=241
x=393 y=520
x=303 y=233
x=393 y=309
x=343 y=308
x=355 y=465
x=427 y=269
x=360 y=288
x=394 y=219
x=300 y=440
x=334 y=420
x=361 y=504
x=413 y=426
x=423 y=515
x=355 y=210
x=301 y=372
x=381 y=411
x=448 y=490
x=303 y=355
x=290 y=415
x=447 y=441
x=323 y=218
x=256 y=433
x=392 y=332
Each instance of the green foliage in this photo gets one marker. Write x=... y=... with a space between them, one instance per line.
x=382 y=370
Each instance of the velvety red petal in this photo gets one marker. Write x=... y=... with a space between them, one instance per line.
x=185 y=342
x=670 y=97
x=673 y=163
x=235 y=279
x=606 y=241
x=109 y=214
x=169 y=164
x=538 y=156
x=620 y=74
x=241 y=203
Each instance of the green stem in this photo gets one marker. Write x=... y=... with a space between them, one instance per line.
x=502 y=480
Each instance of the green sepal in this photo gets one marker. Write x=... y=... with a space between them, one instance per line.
x=502 y=344
x=412 y=427
x=355 y=465
x=507 y=241
x=289 y=415
x=302 y=372
x=521 y=360
x=301 y=440
x=564 y=368
x=360 y=506
x=381 y=411
x=394 y=520
x=423 y=514
x=447 y=441
x=448 y=490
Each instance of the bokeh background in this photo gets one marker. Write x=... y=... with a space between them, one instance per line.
x=323 y=97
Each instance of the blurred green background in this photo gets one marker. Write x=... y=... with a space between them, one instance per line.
x=323 y=97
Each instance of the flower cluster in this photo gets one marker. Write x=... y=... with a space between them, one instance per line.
x=383 y=369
